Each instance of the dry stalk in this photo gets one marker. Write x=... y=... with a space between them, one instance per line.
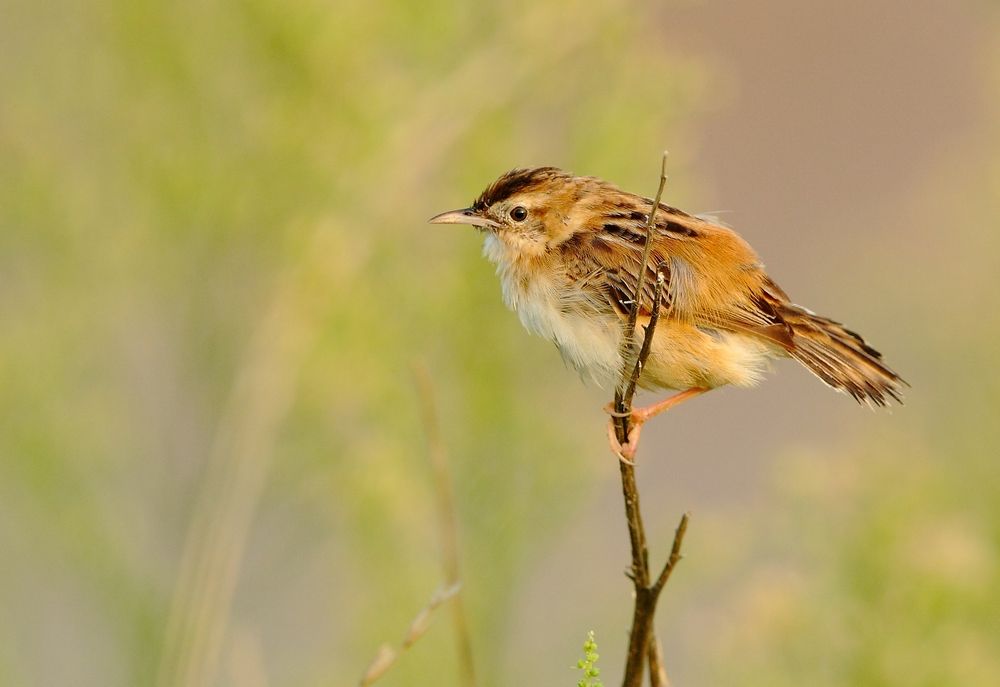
x=447 y=521
x=643 y=647
x=386 y=656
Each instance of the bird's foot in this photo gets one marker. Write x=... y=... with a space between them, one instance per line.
x=637 y=418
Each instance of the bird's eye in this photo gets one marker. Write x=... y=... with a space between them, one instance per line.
x=519 y=214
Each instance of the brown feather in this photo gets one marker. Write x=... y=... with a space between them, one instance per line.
x=579 y=255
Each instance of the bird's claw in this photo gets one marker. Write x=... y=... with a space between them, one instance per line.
x=626 y=451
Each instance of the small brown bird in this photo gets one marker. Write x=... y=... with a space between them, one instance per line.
x=568 y=252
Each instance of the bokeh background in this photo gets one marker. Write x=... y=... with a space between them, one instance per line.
x=216 y=279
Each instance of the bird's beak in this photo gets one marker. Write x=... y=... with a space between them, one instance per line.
x=464 y=216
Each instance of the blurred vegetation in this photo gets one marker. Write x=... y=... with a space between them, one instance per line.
x=215 y=279
x=869 y=584
x=216 y=275
x=879 y=562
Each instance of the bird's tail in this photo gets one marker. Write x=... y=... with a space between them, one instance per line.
x=841 y=358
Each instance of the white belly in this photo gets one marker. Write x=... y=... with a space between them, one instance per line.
x=588 y=334
x=587 y=341
x=587 y=338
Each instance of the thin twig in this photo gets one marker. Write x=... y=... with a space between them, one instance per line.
x=641 y=625
x=647 y=341
x=387 y=656
x=643 y=646
x=647 y=247
x=657 y=671
x=632 y=361
x=447 y=520
x=675 y=554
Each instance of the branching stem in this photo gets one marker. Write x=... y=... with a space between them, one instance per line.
x=643 y=647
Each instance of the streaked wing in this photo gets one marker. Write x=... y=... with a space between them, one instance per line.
x=713 y=277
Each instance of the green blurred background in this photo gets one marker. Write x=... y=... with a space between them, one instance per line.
x=216 y=277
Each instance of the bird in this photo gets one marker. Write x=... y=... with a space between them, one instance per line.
x=569 y=250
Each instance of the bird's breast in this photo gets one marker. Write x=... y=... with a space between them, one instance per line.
x=584 y=329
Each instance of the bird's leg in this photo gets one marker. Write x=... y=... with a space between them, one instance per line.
x=641 y=415
x=638 y=417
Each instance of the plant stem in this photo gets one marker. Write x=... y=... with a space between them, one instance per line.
x=643 y=648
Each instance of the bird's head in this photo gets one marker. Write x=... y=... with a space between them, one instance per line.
x=528 y=210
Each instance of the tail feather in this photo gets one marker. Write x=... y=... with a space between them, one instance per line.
x=841 y=358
